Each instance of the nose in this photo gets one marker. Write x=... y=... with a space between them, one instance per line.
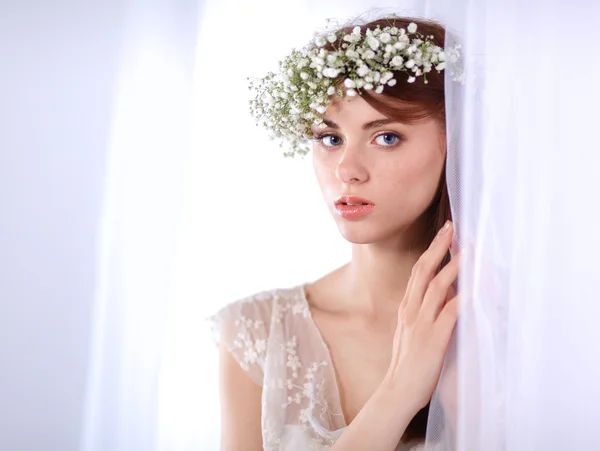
x=350 y=168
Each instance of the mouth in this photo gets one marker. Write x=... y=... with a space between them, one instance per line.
x=352 y=201
x=353 y=207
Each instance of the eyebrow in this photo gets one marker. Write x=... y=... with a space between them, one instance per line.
x=367 y=126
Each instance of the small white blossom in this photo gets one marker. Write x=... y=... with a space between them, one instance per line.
x=268 y=98
x=362 y=70
x=385 y=38
x=410 y=63
x=331 y=72
x=412 y=27
x=373 y=43
x=369 y=54
x=350 y=92
x=320 y=42
x=411 y=79
x=304 y=75
x=321 y=109
x=349 y=83
x=397 y=61
x=379 y=89
x=331 y=38
x=392 y=82
x=331 y=90
x=356 y=30
x=368 y=86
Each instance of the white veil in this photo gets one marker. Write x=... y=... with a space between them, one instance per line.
x=524 y=156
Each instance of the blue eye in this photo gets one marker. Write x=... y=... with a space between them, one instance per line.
x=329 y=140
x=387 y=139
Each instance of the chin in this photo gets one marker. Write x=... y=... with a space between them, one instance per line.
x=357 y=233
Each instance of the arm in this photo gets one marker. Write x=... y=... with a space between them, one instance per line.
x=380 y=424
x=240 y=406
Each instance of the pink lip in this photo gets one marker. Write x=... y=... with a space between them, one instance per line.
x=360 y=209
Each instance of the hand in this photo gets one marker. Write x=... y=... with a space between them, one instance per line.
x=426 y=320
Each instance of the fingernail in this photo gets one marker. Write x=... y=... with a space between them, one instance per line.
x=444 y=229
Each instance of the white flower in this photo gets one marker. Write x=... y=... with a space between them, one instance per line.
x=321 y=109
x=373 y=42
x=317 y=60
x=397 y=61
x=303 y=75
x=442 y=56
x=369 y=54
x=386 y=76
x=362 y=70
x=385 y=38
x=410 y=63
x=349 y=83
x=320 y=42
x=351 y=53
x=379 y=89
x=350 y=92
x=400 y=45
x=331 y=72
x=331 y=90
x=412 y=27
x=331 y=38
x=268 y=98
x=356 y=30
x=411 y=79
x=392 y=82
x=368 y=86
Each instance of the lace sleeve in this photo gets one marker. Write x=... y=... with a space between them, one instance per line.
x=243 y=327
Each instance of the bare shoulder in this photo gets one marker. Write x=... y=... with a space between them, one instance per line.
x=240 y=406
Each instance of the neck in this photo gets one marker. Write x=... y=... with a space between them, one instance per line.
x=375 y=280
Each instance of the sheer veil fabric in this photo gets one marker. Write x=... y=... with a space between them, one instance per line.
x=523 y=371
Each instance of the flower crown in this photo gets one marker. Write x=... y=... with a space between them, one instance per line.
x=290 y=102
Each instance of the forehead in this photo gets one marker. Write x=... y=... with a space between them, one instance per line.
x=351 y=107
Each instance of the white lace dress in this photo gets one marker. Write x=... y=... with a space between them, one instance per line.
x=273 y=337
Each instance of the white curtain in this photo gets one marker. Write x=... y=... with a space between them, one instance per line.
x=523 y=162
x=150 y=143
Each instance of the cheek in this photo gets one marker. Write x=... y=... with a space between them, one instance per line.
x=415 y=183
x=324 y=171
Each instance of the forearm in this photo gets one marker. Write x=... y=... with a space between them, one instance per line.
x=380 y=424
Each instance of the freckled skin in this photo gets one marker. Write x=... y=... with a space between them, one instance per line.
x=400 y=179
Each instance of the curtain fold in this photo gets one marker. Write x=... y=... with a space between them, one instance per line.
x=522 y=153
x=149 y=144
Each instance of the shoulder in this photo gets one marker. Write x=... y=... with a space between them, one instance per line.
x=244 y=326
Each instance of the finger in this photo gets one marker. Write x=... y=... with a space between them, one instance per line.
x=438 y=289
x=446 y=320
x=424 y=270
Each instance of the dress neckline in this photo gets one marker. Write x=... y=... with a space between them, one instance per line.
x=331 y=369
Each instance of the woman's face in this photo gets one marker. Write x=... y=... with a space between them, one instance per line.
x=395 y=167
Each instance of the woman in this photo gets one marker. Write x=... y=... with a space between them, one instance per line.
x=350 y=361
